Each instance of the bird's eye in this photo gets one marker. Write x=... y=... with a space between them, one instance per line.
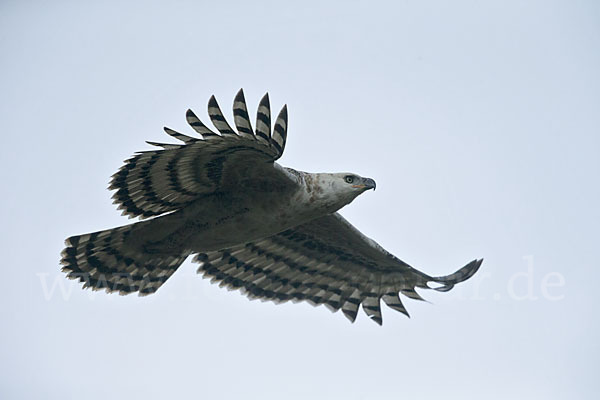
x=349 y=179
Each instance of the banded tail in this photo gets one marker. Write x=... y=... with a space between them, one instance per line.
x=104 y=260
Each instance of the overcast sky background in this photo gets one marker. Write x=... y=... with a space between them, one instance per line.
x=480 y=122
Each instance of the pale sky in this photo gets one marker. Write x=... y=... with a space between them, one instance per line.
x=480 y=122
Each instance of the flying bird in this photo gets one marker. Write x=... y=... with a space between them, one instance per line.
x=270 y=231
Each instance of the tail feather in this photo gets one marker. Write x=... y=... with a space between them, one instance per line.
x=102 y=260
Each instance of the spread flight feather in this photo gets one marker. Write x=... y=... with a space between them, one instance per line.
x=270 y=231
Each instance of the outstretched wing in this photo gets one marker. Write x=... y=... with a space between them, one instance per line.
x=155 y=182
x=325 y=261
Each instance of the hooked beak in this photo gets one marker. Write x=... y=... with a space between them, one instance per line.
x=366 y=184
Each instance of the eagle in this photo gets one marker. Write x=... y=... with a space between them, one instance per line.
x=270 y=231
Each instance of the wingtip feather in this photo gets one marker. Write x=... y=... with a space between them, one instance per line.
x=459 y=276
x=240 y=95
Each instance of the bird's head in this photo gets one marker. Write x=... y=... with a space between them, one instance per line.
x=338 y=189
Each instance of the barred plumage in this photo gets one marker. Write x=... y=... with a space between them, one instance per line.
x=218 y=119
x=303 y=263
x=279 y=131
x=271 y=232
x=198 y=126
x=240 y=116
x=263 y=120
x=184 y=138
x=101 y=260
x=154 y=182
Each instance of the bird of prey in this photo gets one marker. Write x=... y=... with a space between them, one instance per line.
x=270 y=231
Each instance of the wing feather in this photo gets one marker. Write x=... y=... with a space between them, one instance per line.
x=184 y=138
x=218 y=119
x=371 y=307
x=198 y=125
x=350 y=306
x=155 y=182
x=263 y=120
x=280 y=130
x=240 y=116
x=325 y=261
x=392 y=300
x=164 y=145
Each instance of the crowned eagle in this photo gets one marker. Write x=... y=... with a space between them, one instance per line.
x=270 y=231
